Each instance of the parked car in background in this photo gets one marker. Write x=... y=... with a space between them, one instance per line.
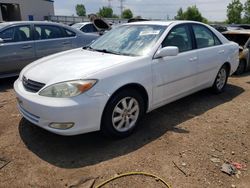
x=132 y=69
x=98 y=26
x=23 y=42
x=242 y=38
x=218 y=27
x=86 y=27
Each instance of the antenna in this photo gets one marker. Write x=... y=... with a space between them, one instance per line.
x=109 y=5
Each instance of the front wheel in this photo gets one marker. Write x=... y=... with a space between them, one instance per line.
x=122 y=113
x=221 y=80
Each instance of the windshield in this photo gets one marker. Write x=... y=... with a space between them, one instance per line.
x=132 y=40
x=2 y=25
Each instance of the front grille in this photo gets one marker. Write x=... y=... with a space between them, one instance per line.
x=31 y=85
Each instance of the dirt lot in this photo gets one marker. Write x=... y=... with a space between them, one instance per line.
x=189 y=132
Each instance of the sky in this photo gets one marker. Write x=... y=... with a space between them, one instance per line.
x=213 y=10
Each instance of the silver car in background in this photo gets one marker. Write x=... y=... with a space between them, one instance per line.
x=23 y=42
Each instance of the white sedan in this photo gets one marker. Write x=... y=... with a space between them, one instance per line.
x=133 y=69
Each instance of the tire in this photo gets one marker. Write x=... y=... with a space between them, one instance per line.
x=122 y=114
x=220 y=81
x=241 y=68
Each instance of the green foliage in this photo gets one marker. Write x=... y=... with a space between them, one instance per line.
x=115 y=16
x=247 y=12
x=127 y=14
x=105 y=12
x=192 y=13
x=180 y=15
x=234 y=10
x=80 y=10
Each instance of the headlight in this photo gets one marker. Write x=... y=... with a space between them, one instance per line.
x=68 y=89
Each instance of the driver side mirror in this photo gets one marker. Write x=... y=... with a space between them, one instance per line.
x=167 y=51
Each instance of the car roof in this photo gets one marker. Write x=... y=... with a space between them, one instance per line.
x=29 y=22
x=83 y=23
x=161 y=23
x=238 y=32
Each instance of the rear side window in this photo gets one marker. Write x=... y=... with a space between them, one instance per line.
x=204 y=37
x=69 y=33
x=89 y=28
x=180 y=37
x=43 y=32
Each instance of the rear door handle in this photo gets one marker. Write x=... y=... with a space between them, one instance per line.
x=66 y=42
x=26 y=47
x=193 y=59
x=221 y=51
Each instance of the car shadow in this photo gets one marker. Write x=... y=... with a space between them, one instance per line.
x=89 y=149
x=245 y=74
x=7 y=83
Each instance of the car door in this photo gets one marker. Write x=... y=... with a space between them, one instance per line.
x=50 y=39
x=210 y=53
x=17 y=50
x=173 y=76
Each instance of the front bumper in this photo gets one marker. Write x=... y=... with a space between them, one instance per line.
x=84 y=111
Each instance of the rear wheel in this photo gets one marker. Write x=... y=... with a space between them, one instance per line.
x=122 y=113
x=241 y=67
x=221 y=80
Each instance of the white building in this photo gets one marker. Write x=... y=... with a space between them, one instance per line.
x=16 y=10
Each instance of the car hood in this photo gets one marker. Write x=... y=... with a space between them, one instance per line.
x=71 y=65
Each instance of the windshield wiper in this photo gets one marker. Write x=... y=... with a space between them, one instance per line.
x=102 y=50
x=107 y=51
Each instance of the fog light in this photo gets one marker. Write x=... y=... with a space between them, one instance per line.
x=62 y=126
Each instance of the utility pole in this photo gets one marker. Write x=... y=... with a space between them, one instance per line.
x=109 y=3
x=121 y=6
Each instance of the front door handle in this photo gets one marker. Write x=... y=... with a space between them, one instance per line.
x=221 y=51
x=193 y=59
x=26 y=47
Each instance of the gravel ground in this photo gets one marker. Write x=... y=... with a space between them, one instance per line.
x=188 y=133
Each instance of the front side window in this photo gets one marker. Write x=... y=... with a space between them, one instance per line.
x=43 y=32
x=7 y=35
x=132 y=40
x=179 y=37
x=204 y=37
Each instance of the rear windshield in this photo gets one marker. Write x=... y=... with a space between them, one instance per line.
x=241 y=39
x=2 y=25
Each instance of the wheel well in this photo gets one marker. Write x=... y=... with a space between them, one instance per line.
x=245 y=62
x=228 y=67
x=136 y=87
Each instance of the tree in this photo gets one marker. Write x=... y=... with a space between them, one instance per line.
x=127 y=14
x=247 y=12
x=80 y=10
x=192 y=13
x=105 y=12
x=180 y=15
x=234 y=10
